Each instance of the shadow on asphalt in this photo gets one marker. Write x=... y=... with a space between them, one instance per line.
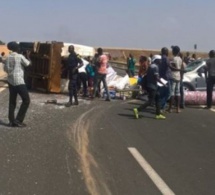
x=3 y=124
x=147 y=110
x=195 y=107
x=131 y=116
x=3 y=80
x=135 y=103
x=48 y=102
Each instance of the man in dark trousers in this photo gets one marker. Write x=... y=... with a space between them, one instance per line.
x=82 y=81
x=101 y=75
x=152 y=77
x=131 y=65
x=210 y=78
x=14 y=66
x=96 y=64
x=74 y=62
x=165 y=73
x=176 y=69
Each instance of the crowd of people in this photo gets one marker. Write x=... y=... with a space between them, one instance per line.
x=90 y=77
x=159 y=76
x=154 y=71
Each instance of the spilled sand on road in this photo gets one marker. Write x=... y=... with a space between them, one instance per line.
x=78 y=137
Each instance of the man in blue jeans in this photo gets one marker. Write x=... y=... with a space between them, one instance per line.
x=176 y=69
x=74 y=62
x=14 y=66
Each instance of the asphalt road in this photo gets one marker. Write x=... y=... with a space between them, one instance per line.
x=99 y=148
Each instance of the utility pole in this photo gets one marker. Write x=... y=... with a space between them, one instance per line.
x=195 y=48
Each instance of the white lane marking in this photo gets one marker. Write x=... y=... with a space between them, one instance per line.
x=157 y=180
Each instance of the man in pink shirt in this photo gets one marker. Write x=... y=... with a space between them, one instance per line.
x=101 y=75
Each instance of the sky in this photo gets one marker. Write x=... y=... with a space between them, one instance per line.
x=143 y=24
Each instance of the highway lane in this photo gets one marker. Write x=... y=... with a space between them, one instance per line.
x=180 y=149
x=85 y=149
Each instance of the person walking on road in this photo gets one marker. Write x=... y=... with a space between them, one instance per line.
x=74 y=62
x=14 y=66
x=152 y=78
x=210 y=78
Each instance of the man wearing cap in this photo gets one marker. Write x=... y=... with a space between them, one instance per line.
x=14 y=66
x=210 y=78
x=152 y=77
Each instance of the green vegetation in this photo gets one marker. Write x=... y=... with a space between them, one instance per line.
x=1 y=42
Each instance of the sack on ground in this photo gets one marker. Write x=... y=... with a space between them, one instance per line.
x=197 y=97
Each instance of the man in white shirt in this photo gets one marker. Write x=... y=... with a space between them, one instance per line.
x=176 y=68
x=14 y=66
x=82 y=80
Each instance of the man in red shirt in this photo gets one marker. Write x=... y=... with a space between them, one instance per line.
x=101 y=75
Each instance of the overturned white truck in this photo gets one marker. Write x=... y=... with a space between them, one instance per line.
x=45 y=73
x=46 y=70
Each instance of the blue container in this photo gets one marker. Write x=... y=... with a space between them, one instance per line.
x=112 y=94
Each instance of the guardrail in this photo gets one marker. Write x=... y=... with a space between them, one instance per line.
x=119 y=65
x=122 y=66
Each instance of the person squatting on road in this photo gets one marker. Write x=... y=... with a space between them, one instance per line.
x=152 y=77
x=210 y=77
x=74 y=62
x=14 y=66
x=101 y=75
